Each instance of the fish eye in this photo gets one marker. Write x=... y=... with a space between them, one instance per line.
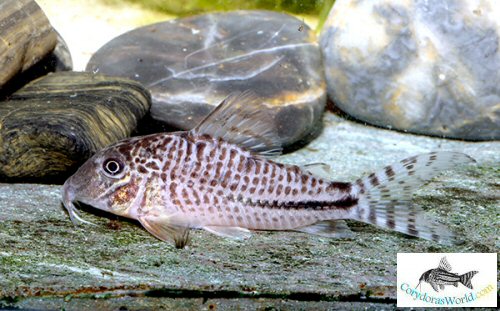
x=112 y=167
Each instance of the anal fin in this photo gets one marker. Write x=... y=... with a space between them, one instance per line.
x=335 y=229
x=236 y=233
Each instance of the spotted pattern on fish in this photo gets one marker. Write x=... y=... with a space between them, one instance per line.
x=201 y=175
x=219 y=184
x=219 y=178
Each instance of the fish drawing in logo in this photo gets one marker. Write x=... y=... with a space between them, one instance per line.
x=442 y=276
x=219 y=177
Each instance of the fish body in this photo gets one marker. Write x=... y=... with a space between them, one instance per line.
x=442 y=276
x=210 y=182
x=219 y=177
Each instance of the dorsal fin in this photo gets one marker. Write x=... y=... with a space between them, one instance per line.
x=443 y=264
x=241 y=120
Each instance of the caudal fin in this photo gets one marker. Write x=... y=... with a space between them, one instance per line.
x=385 y=196
x=465 y=278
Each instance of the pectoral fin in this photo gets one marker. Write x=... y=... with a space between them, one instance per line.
x=236 y=233
x=336 y=229
x=165 y=229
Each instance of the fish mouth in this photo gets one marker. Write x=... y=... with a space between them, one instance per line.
x=68 y=200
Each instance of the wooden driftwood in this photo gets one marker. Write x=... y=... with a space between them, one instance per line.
x=26 y=37
x=52 y=125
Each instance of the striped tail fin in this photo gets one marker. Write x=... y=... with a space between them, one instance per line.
x=465 y=278
x=385 y=196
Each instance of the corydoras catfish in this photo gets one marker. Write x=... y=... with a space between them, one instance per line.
x=442 y=276
x=219 y=177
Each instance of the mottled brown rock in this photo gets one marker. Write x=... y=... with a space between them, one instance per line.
x=191 y=64
x=52 y=125
x=429 y=67
x=26 y=37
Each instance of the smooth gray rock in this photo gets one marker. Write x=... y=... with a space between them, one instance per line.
x=191 y=64
x=46 y=261
x=429 y=67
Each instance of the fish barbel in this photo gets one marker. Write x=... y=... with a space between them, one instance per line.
x=219 y=177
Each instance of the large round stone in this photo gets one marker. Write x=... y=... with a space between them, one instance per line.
x=52 y=125
x=430 y=67
x=191 y=64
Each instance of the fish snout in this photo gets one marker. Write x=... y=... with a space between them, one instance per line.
x=78 y=184
x=68 y=197
x=69 y=192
